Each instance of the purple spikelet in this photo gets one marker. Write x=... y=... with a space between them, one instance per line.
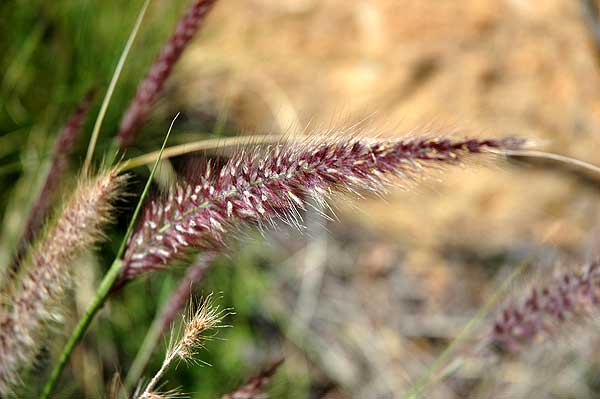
x=571 y=296
x=255 y=387
x=61 y=155
x=150 y=88
x=261 y=186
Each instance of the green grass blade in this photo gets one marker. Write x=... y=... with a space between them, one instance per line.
x=112 y=85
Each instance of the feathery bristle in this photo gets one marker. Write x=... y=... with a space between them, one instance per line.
x=207 y=316
x=255 y=387
x=32 y=300
x=572 y=296
x=262 y=186
x=178 y=299
x=169 y=311
x=150 y=88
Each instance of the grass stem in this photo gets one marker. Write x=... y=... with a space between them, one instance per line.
x=103 y=290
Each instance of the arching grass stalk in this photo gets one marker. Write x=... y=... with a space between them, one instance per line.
x=105 y=286
x=200 y=145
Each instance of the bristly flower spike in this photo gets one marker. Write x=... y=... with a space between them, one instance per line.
x=165 y=317
x=569 y=298
x=261 y=186
x=33 y=299
x=150 y=88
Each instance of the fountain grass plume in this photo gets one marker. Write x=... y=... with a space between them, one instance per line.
x=263 y=185
x=32 y=300
x=150 y=88
x=548 y=309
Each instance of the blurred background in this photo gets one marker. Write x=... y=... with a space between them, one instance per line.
x=362 y=306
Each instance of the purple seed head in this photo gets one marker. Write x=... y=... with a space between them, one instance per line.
x=566 y=299
x=260 y=186
x=33 y=298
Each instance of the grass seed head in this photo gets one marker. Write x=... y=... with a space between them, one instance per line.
x=32 y=300
x=262 y=186
x=547 y=310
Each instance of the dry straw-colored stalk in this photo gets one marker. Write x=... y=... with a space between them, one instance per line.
x=256 y=386
x=263 y=185
x=207 y=317
x=549 y=309
x=32 y=301
x=151 y=87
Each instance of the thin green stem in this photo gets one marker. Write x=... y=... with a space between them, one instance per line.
x=112 y=85
x=104 y=289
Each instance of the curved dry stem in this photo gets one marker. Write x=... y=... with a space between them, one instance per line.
x=553 y=157
x=200 y=145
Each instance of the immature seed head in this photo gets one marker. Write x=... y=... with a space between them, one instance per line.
x=207 y=317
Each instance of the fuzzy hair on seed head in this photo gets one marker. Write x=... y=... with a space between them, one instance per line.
x=206 y=317
x=32 y=300
x=196 y=323
x=264 y=185
x=547 y=309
